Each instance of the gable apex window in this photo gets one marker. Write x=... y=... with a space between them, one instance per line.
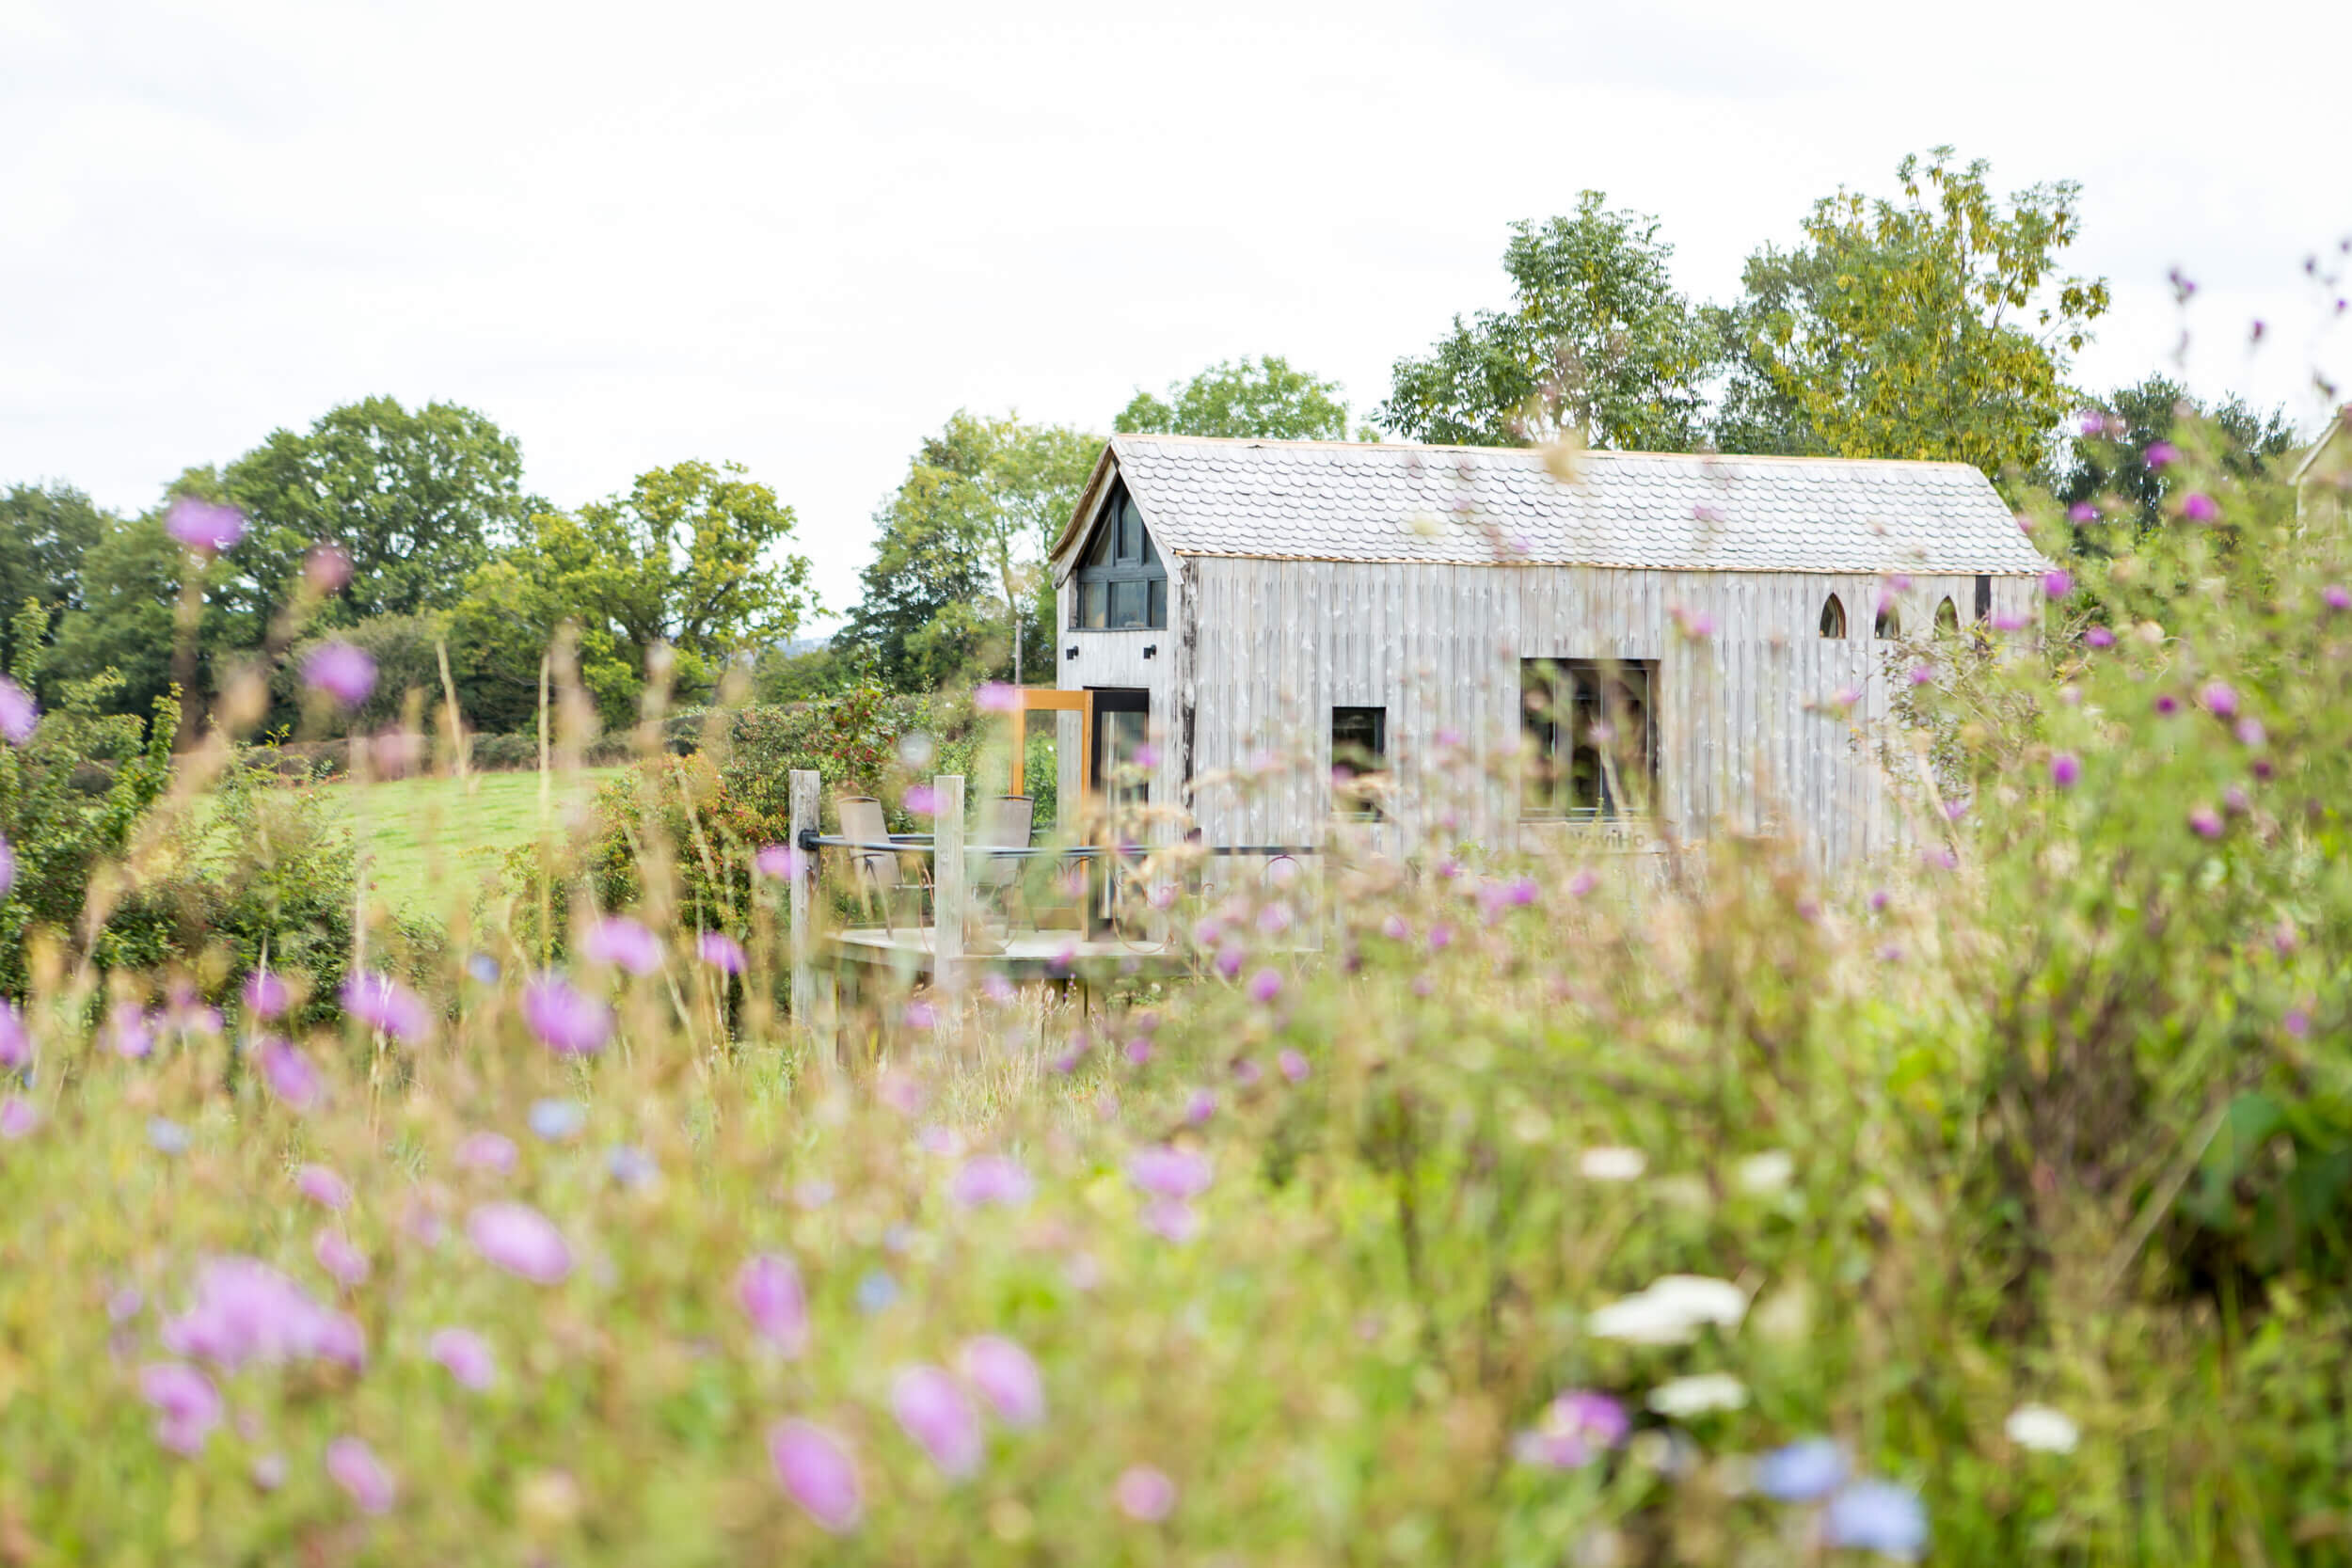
x=1120 y=584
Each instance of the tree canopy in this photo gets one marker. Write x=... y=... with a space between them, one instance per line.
x=1263 y=398
x=45 y=531
x=1938 y=325
x=2106 y=455
x=1598 y=344
x=961 y=543
x=692 y=555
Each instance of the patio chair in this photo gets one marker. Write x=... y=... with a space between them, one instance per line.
x=876 y=874
x=1006 y=822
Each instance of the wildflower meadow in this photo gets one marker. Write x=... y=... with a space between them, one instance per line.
x=1994 y=1207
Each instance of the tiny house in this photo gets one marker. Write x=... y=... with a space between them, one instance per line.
x=1694 y=642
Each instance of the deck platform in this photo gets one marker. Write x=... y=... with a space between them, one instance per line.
x=1028 y=955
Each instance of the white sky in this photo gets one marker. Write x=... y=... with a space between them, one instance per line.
x=799 y=236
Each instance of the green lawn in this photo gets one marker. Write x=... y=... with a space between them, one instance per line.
x=431 y=843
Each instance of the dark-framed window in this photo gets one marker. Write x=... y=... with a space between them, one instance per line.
x=1592 y=726
x=1834 y=617
x=1359 y=760
x=1889 y=624
x=1120 y=584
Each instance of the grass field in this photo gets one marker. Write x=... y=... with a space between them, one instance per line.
x=430 y=843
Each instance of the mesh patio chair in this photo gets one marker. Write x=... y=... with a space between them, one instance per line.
x=876 y=874
x=1006 y=822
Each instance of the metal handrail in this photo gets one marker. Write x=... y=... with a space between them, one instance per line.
x=811 y=840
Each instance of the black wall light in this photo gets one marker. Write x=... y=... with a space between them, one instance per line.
x=1071 y=652
x=1150 y=650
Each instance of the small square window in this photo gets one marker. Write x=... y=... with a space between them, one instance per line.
x=1592 y=728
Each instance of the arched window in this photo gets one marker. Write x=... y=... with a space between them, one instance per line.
x=1890 y=621
x=1834 y=617
x=1120 y=584
x=1948 y=618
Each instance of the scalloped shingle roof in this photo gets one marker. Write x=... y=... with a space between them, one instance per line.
x=1494 y=506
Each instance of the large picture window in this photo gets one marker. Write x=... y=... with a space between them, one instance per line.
x=1120 y=584
x=1592 y=726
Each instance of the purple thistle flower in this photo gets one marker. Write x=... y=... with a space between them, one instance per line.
x=567 y=1021
x=17 y=1118
x=992 y=1179
x=1172 y=1219
x=620 y=943
x=2235 y=801
x=1575 y=1426
x=244 y=1311
x=2010 y=620
x=387 y=1007
x=324 y=1187
x=2219 y=698
x=2066 y=770
x=2336 y=596
x=2082 y=512
x=203 y=525
x=1294 y=1066
x=2057 y=583
x=1007 y=1378
x=2162 y=454
x=920 y=800
x=130 y=1031
x=1395 y=930
x=1167 y=1171
x=1247 y=1073
x=289 y=1073
x=19 y=713
x=466 y=1356
x=2250 y=733
x=2204 y=822
x=1265 y=985
x=327 y=568
x=1920 y=674
x=996 y=697
x=933 y=1409
x=7 y=868
x=522 y=1240
x=2167 y=704
x=721 y=952
x=355 y=1469
x=265 y=994
x=340 y=1258
x=768 y=1286
x=269 y=1472
x=1877 y=1516
x=779 y=860
x=2198 y=507
x=16 y=1046
x=1440 y=937
x=1144 y=1493
x=815 y=1471
x=1582 y=883
x=341 y=670
x=188 y=1406
x=487 y=1152
x=2098 y=637
x=920 y=1015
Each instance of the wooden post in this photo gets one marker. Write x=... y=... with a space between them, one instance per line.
x=806 y=788
x=948 y=882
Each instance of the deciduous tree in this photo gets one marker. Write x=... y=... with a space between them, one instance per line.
x=1263 y=398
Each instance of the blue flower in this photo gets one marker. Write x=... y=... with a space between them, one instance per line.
x=557 y=1119
x=875 y=1292
x=1804 y=1472
x=630 y=1167
x=168 y=1136
x=1877 y=1516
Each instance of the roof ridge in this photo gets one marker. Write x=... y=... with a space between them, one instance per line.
x=1604 y=453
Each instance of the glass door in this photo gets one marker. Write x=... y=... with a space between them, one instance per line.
x=1122 y=722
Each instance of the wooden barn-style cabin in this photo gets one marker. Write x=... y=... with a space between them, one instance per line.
x=1389 y=608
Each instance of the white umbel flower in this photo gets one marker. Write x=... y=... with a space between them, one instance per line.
x=1671 y=1311
x=1682 y=1398
x=1612 y=1165
x=2041 y=1428
x=1768 y=1174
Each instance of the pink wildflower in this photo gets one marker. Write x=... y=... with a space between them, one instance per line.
x=16 y=1046
x=1265 y=985
x=289 y=1073
x=487 y=1152
x=2221 y=699
x=356 y=1470
x=1167 y=1171
x=188 y=1406
x=466 y=1356
x=2059 y=583
x=2066 y=770
x=816 y=1472
x=208 y=527
x=265 y=994
x=617 y=942
x=2204 y=822
x=19 y=713
x=2336 y=596
x=2198 y=507
x=992 y=1179
x=246 y=1311
x=324 y=1187
x=996 y=697
x=1006 y=1377
x=340 y=670
x=721 y=952
x=1144 y=1493
x=768 y=1286
x=778 y=860
x=386 y=1005
x=933 y=1409
x=17 y=1118
x=1294 y=1066
x=2162 y=454
x=340 y=1258
x=522 y=1240
x=567 y=1021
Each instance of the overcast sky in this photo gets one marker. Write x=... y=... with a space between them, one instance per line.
x=799 y=236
